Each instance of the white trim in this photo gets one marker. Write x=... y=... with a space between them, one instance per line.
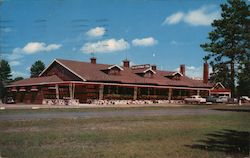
x=115 y=66
x=173 y=74
x=219 y=84
x=151 y=86
x=55 y=60
x=115 y=84
x=149 y=69
x=46 y=68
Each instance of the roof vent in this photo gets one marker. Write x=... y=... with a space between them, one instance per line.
x=205 y=72
x=126 y=63
x=182 y=69
x=153 y=67
x=93 y=60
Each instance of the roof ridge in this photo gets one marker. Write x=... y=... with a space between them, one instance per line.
x=84 y=62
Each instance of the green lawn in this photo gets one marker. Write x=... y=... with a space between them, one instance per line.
x=146 y=137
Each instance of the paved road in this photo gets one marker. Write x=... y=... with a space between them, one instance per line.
x=99 y=114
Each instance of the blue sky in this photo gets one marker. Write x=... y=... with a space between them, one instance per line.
x=162 y=32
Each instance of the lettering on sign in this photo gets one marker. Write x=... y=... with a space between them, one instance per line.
x=140 y=66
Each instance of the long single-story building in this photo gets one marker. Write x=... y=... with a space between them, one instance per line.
x=82 y=81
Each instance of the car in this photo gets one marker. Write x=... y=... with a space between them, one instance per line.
x=222 y=99
x=245 y=99
x=195 y=99
x=211 y=99
x=8 y=100
x=232 y=101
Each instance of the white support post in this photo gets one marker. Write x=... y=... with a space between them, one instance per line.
x=135 y=93
x=198 y=92
x=70 y=91
x=73 y=90
x=101 y=92
x=170 y=90
x=57 y=92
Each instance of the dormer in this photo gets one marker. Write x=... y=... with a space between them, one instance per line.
x=113 y=70
x=148 y=73
x=174 y=76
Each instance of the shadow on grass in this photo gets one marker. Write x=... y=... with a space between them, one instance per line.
x=234 y=110
x=231 y=142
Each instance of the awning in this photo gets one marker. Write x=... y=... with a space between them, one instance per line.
x=51 y=87
x=34 y=89
x=22 y=89
x=13 y=89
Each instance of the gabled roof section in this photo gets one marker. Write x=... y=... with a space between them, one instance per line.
x=111 y=67
x=58 y=61
x=149 y=69
x=175 y=73
x=218 y=84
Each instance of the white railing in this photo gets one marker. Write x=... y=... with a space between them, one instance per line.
x=60 y=102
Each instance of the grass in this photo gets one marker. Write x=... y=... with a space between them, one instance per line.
x=153 y=107
x=155 y=136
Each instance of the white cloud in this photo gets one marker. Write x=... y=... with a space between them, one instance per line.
x=29 y=48
x=16 y=54
x=149 y=41
x=105 y=46
x=200 y=17
x=14 y=63
x=34 y=47
x=18 y=74
x=173 y=42
x=96 y=32
x=194 y=72
x=174 y=18
x=6 y=29
x=28 y=68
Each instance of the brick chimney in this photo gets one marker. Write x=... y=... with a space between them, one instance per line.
x=125 y=63
x=205 y=73
x=93 y=60
x=153 y=67
x=182 y=69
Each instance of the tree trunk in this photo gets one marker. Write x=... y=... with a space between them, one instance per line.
x=232 y=80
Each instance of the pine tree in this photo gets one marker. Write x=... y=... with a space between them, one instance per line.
x=229 y=41
x=37 y=68
x=5 y=76
x=244 y=80
x=5 y=71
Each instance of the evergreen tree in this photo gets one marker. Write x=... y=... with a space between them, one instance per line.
x=5 y=76
x=17 y=79
x=220 y=74
x=228 y=42
x=5 y=71
x=37 y=68
x=244 y=80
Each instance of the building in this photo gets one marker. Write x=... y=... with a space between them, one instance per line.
x=82 y=81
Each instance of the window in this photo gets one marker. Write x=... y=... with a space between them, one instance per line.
x=175 y=76
x=114 y=71
x=148 y=74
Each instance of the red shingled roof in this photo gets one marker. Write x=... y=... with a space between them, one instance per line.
x=37 y=81
x=94 y=73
